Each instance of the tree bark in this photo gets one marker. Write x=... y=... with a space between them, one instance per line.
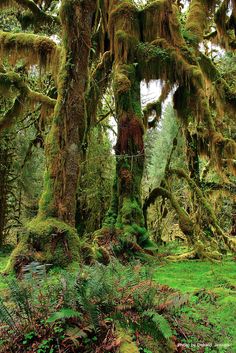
x=66 y=136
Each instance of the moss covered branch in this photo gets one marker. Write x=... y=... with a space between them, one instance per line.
x=211 y=214
x=198 y=18
x=34 y=49
x=185 y=222
x=12 y=81
x=39 y=16
x=98 y=84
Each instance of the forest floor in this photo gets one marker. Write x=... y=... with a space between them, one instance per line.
x=207 y=321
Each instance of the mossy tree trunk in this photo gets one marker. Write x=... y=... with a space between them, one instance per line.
x=129 y=153
x=66 y=136
x=126 y=208
x=52 y=237
x=5 y=167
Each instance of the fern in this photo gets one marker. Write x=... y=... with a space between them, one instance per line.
x=6 y=316
x=21 y=296
x=65 y=313
x=35 y=271
x=156 y=326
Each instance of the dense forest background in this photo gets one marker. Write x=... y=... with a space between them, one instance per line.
x=117 y=159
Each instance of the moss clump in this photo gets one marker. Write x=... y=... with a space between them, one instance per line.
x=49 y=241
x=127 y=345
x=130 y=212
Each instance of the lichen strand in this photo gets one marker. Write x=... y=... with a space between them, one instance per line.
x=48 y=241
x=34 y=49
x=160 y=20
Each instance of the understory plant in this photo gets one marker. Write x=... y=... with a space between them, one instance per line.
x=113 y=308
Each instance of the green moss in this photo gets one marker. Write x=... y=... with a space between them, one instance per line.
x=35 y=49
x=197 y=19
x=49 y=241
x=127 y=345
x=130 y=211
x=46 y=206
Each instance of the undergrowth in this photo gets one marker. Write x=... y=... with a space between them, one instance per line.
x=174 y=307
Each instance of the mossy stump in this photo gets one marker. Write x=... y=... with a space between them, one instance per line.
x=48 y=241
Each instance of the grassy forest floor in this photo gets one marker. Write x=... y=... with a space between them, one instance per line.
x=206 y=320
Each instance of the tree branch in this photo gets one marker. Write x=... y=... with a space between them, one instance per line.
x=35 y=49
x=13 y=80
x=39 y=15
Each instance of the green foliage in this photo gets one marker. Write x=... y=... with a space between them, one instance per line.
x=156 y=325
x=149 y=51
x=65 y=313
x=162 y=144
x=94 y=189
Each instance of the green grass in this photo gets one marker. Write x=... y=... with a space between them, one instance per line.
x=190 y=275
x=217 y=281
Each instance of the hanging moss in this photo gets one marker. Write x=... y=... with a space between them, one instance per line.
x=34 y=49
x=124 y=30
x=7 y=3
x=160 y=20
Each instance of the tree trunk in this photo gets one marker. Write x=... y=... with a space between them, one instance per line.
x=126 y=208
x=129 y=154
x=67 y=132
x=52 y=237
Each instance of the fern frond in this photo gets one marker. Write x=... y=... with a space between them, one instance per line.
x=156 y=326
